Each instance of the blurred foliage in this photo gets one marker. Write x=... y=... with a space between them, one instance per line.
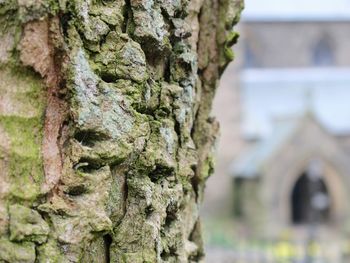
x=224 y=234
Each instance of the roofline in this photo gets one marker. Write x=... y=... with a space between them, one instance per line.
x=297 y=123
x=306 y=117
x=305 y=74
x=341 y=134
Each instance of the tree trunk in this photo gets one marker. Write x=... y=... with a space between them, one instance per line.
x=105 y=135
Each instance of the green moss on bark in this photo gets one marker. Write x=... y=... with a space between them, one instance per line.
x=23 y=252
x=24 y=130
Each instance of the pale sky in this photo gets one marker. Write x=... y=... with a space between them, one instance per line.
x=296 y=9
x=265 y=98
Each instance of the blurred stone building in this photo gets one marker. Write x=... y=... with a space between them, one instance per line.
x=298 y=176
x=293 y=57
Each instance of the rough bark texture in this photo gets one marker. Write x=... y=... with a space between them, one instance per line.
x=105 y=136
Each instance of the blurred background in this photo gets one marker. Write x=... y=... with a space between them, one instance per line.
x=281 y=189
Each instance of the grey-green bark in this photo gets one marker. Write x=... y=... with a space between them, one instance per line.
x=105 y=135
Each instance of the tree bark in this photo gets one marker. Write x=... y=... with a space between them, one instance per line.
x=106 y=138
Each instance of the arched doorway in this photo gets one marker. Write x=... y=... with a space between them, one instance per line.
x=310 y=200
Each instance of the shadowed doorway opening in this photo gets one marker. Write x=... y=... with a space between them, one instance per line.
x=310 y=201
